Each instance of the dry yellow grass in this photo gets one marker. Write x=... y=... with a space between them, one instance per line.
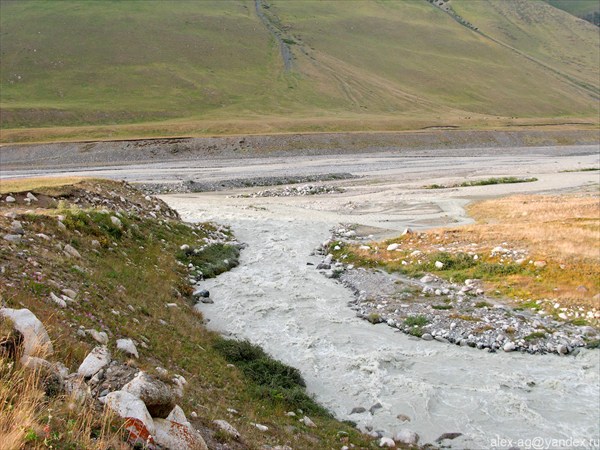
x=563 y=230
x=30 y=184
x=563 y=227
x=30 y=419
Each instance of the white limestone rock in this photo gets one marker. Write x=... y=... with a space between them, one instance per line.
x=35 y=338
x=95 y=361
x=128 y=347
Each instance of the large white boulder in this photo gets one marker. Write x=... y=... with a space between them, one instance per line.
x=95 y=361
x=158 y=396
x=177 y=415
x=174 y=435
x=35 y=338
x=138 y=421
x=128 y=347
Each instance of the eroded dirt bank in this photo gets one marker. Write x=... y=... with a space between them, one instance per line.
x=423 y=143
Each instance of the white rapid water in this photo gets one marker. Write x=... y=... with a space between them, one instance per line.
x=300 y=317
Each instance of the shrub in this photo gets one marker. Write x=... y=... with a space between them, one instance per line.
x=535 y=335
x=273 y=379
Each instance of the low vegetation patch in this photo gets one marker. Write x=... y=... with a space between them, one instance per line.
x=441 y=307
x=212 y=260
x=486 y=182
x=416 y=321
x=273 y=379
x=583 y=169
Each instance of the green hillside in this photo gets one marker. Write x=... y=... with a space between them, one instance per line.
x=579 y=8
x=124 y=68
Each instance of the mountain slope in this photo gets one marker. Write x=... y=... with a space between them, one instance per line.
x=579 y=8
x=197 y=67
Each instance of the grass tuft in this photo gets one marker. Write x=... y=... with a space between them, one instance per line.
x=416 y=321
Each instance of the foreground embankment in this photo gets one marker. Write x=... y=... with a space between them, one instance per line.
x=100 y=343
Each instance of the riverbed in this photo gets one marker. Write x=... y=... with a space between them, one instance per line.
x=275 y=299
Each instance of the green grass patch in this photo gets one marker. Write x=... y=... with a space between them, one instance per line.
x=271 y=378
x=486 y=182
x=529 y=304
x=482 y=304
x=213 y=260
x=416 y=321
x=441 y=307
x=374 y=318
x=593 y=344
x=579 y=322
x=535 y=335
x=416 y=331
x=584 y=169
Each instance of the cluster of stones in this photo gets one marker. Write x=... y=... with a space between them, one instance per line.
x=294 y=191
x=236 y=183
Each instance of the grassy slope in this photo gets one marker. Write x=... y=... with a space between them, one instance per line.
x=135 y=272
x=522 y=24
x=213 y=67
x=576 y=7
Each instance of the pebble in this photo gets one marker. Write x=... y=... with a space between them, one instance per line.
x=407 y=437
x=16 y=227
x=71 y=251
x=509 y=347
x=228 y=428
x=308 y=422
x=426 y=279
x=99 y=336
x=261 y=427
x=59 y=301
x=116 y=222
x=387 y=442
x=10 y=199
